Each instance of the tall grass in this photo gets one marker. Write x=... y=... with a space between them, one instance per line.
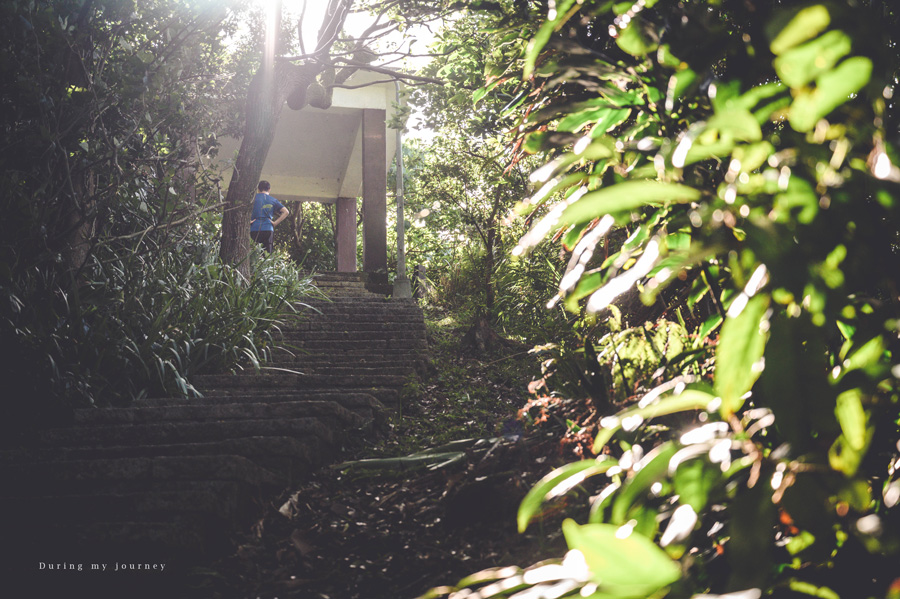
x=137 y=322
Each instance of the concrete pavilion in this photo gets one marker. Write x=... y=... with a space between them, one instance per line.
x=336 y=156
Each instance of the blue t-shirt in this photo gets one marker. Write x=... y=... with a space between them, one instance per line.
x=265 y=207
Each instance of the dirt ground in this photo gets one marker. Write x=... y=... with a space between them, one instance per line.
x=397 y=528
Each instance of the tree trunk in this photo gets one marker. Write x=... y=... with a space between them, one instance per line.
x=265 y=99
x=489 y=295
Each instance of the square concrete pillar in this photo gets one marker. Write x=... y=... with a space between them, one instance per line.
x=374 y=176
x=346 y=234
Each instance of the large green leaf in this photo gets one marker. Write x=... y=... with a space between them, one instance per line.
x=689 y=399
x=550 y=486
x=654 y=467
x=632 y=40
x=797 y=26
x=626 y=566
x=833 y=88
x=693 y=481
x=735 y=124
x=625 y=197
x=804 y=63
x=536 y=45
x=852 y=417
x=741 y=345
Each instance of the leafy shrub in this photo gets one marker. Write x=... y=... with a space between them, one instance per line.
x=748 y=148
x=139 y=323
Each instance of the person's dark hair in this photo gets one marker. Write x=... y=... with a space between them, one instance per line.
x=264 y=186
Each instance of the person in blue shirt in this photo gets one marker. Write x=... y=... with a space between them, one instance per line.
x=267 y=212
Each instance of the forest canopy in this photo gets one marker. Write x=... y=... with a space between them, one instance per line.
x=691 y=206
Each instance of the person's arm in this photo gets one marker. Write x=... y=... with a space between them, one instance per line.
x=282 y=214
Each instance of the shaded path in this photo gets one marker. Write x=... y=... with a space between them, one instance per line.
x=168 y=482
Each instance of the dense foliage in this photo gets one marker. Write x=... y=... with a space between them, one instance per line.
x=108 y=284
x=748 y=152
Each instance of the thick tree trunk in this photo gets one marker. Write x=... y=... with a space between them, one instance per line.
x=266 y=98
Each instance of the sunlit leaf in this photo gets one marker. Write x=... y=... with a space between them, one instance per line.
x=654 y=466
x=833 y=88
x=693 y=480
x=689 y=399
x=741 y=345
x=801 y=65
x=536 y=45
x=736 y=124
x=627 y=566
x=797 y=26
x=625 y=197
x=852 y=417
x=550 y=486
x=632 y=40
x=799 y=201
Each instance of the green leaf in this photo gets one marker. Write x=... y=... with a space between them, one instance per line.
x=833 y=89
x=866 y=355
x=679 y=83
x=741 y=345
x=844 y=457
x=799 y=201
x=689 y=399
x=796 y=27
x=655 y=466
x=557 y=483
x=610 y=120
x=693 y=481
x=624 y=197
x=753 y=156
x=799 y=66
x=808 y=588
x=632 y=40
x=536 y=45
x=852 y=417
x=632 y=567
x=735 y=124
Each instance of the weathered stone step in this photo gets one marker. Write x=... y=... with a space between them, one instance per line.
x=322 y=368
x=362 y=337
x=352 y=312
x=359 y=344
x=286 y=380
x=330 y=412
x=416 y=328
x=168 y=433
x=353 y=400
x=185 y=537
x=389 y=397
x=399 y=353
x=36 y=475
x=289 y=458
x=57 y=503
x=378 y=359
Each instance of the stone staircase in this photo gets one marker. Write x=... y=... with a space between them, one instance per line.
x=171 y=480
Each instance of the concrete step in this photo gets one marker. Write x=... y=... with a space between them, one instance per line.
x=355 y=401
x=389 y=397
x=37 y=475
x=292 y=381
x=169 y=433
x=393 y=334
x=221 y=500
x=288 y=458
x=329 y=412
x=308 y=367
x=364 y=345
x=354 y=312
x=411 y=327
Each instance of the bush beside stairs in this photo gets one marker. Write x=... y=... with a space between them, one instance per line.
x=172 y=480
